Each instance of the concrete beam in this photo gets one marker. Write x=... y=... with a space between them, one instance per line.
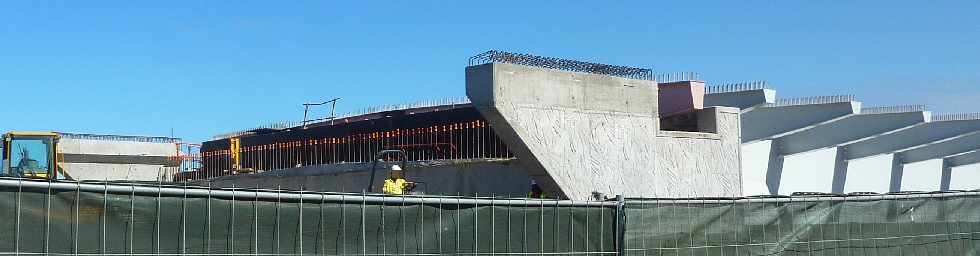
x=906 y=139
x=947 y=175
x=745 y=100
x=967 y=158
x=840 y=171
x=898 y=170
x=943 y=148
x=780 y=120
x=850 y=130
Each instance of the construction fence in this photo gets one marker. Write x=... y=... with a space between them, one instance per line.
x=68 y=218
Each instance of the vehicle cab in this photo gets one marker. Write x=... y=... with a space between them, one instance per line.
x=30 y=155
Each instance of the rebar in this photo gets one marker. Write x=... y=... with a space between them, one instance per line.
x=676 y=77
x=737 y=87
x=495 y=56
x=956 y=117
x=815 y=100
x=893 y=109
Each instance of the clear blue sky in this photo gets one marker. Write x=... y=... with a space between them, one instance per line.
x=207 y=67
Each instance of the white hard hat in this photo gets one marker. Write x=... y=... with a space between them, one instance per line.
x=396 y=168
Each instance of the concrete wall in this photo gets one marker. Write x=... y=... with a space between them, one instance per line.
x=99 y=171
x=91 y=159
x=965 y=177
x=814 y=171
x=579 y=133
x=922 y=176
x=502 y=177
x=808 y=172
x=755 y=163
x=870 y=174
x=702 y=163
x=112 y=147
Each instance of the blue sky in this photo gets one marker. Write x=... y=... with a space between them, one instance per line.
x=201 y=68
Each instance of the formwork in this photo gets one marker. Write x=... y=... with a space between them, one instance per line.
x=67 y=218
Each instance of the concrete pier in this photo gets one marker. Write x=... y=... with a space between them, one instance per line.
x=580 y=133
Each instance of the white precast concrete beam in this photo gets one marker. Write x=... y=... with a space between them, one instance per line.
x=922 y=134
x=967 y=158
x=771 y=122
x=850 y=130
x=744 y=100
x=957 y=160
x=943 y=148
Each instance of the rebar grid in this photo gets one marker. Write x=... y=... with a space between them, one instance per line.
x=465 y=139
x=358 y=112
x=495 y=56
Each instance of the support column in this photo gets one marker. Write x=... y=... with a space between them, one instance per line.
x=840 y=170
x=898 y=166
x=774 y=173
x=947 y=175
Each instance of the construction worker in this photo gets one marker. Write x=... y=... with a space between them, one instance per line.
x=396 y=184
x=536 y=191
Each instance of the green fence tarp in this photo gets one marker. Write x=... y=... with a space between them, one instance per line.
x=68 y=218
x=65 y=221
x=868 y=225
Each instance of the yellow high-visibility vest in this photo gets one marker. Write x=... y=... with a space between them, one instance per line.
x=395 y=186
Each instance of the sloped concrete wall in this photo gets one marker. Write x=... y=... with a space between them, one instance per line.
x=578 y=133
x=695 y=164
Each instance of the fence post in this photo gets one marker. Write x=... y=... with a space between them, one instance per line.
x=620 y=225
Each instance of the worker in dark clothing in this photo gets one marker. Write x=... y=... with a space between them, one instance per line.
x=536 y=191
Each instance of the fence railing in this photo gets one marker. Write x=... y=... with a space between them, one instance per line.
x=69 y=218
x=891 y=224
x=53 y=218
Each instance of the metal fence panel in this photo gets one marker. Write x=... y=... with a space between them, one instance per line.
x=58 y=218
x=918 y=224
x=40 y=217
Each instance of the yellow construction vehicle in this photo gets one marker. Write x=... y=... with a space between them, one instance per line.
x=31 y=155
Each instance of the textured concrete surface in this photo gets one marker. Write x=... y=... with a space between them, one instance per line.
x=701 y=164
x=92 y=169
x=579 y=133
x=97 y=171
x=576 y=133
x=109 y=147
x=503 y=177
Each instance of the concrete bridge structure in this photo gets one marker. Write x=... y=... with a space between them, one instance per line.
x=839 y=147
